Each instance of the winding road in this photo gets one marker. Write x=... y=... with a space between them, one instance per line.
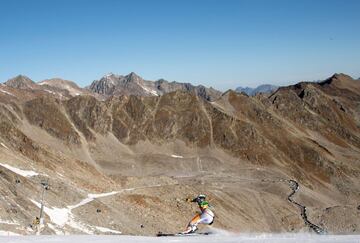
x=294 y=185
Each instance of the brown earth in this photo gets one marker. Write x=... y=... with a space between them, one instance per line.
x=156 y=151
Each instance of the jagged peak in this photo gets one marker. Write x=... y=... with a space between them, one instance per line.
x=133 y=77
x=110 y=76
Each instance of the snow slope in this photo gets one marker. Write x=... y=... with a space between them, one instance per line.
x=259 y=238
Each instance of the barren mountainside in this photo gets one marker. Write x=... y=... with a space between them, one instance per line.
x=125 y=163
x=132 y=84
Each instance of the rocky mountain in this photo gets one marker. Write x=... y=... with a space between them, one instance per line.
x=285 y=162
x=62 y=89
x=21 y=82
x=62 y=84
x=132 y=84
x=264 y=88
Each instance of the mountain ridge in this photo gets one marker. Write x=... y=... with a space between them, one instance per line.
x=148 y=153
x=263 y=88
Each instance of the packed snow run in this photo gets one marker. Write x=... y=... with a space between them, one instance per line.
x=24 y=173
x=225 y=238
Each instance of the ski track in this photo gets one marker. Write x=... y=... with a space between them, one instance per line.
x=24 y=173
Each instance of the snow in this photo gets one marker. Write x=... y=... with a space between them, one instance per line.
x=243 y=238
x=91 y=197
x=8 y=222
x=81 y=203
x=42 y=83
x=63 y=216
x=58 y=216
x=25 y=173
x=150 y=91
x=106 y=230
x=51 y=92
x=6 y=233
x=103 y=194
x=58 y=232
x=6 y=92
x=177 y=156
x=4 y=145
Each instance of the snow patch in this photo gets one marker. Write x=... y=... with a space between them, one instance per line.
x=25 y=173
x=177 y=156
x=103 y=194
x=57 y=215
x=49 y=91
x=6 y=92
x=8 y=222
x=106 y=230
x=64 y=216
x=81 y=203
x=56 y=230
x=4 y=145
x=91 y=197
x=150 y=91
x=79 y=226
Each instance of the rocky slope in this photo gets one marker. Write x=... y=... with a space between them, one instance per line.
x=72 y=88
x=132 y=84
x=126 y=164
x=56 y=87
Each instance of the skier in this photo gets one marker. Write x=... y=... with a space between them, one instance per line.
x=206 y=216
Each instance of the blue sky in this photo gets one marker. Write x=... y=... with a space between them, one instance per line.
x=223 y=44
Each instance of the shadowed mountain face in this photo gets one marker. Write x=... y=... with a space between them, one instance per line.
x=149 y=152
x=133 y=84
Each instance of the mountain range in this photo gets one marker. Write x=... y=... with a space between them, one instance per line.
x=124 y=162
x=131 y=84
x=264 y=88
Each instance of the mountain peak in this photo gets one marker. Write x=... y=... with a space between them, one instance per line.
x=337 y=78
x=340 y=76
x=133 y=77
x=342 y=81
x=21 y=82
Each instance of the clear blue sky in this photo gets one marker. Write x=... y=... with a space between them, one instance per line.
x=223 y=44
